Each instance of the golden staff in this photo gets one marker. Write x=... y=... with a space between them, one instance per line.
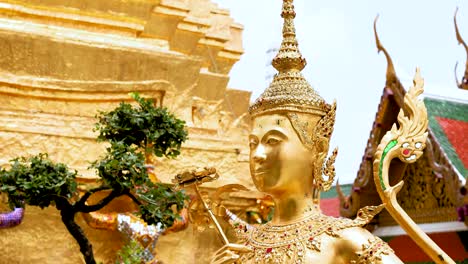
x=196 y=178
x=406 y=142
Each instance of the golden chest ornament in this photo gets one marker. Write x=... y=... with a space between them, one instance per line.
x=289 y=243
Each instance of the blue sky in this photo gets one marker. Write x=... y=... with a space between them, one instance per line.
x=337 y=39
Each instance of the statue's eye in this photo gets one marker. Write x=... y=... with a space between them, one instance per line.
x=405 y=145
x=272 y=141
x=253 y=144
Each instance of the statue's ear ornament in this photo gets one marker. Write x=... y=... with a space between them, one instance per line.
x=318 y=138
x=328 y=170
x=322 y=134
x=325 y=126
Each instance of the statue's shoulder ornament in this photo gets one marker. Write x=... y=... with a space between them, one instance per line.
x=372 y=251
x=374 y=248
x=366 y=214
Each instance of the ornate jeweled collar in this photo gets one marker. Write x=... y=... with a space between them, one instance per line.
x=289 y=243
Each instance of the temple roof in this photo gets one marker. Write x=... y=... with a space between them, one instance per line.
x=448 y=120
x=431 y=191
x=330 y=202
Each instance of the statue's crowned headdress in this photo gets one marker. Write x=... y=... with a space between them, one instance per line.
x=289 y=90
x=289 y=93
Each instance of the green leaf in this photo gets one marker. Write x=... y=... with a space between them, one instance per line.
x=143 y=126
x=36 y=180
x=158 y=201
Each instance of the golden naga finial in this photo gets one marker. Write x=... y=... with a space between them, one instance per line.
x=392 y=82
x=406 y=142
x=464 y=83
x=391 y=74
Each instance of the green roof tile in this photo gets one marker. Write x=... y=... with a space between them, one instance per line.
x=346 y=188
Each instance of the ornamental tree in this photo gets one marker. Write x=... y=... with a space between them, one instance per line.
x=147 y=127
x=131 y=132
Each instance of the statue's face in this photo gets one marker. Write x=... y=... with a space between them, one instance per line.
x=279 y=162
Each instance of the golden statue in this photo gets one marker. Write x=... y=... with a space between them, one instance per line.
x=289 y=142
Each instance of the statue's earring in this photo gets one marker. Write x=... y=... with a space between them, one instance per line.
x=324 y=168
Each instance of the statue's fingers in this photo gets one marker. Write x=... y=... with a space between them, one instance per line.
x=220 y=250
x=226 y=257
x=238 y=248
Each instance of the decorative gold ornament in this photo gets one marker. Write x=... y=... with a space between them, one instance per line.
x=323 y=132
x=391 y=78
x=372 y=251
x=464 y=83
x=406 y=142
x=289 y=243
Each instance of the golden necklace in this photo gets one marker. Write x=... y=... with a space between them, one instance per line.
x=288 y=243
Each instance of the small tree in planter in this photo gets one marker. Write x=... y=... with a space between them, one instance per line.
x=147 y=127
x=132 y=132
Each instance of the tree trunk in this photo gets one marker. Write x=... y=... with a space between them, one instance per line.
x=68 y=212
x=68 y=218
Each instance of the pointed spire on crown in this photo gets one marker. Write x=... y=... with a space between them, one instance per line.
x=289 y=91
x=289 y=57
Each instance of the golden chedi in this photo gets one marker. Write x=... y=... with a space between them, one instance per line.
x=289 y=143
x=63 y=61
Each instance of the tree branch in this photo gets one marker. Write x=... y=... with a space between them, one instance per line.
x=82 y=201
x=62 y=203
x=134 y=199
x=91 y=208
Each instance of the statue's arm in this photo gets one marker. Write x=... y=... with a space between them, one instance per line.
x=368 y=248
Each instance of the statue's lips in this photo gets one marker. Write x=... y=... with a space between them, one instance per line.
x=260 y=172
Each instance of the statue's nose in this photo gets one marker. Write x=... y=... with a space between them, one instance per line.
x=259 y=154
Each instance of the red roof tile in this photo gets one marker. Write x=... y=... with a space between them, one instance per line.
x=456 y=132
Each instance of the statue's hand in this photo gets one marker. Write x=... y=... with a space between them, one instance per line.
x=219 y=210
x=229 y=254
x=217 y=205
